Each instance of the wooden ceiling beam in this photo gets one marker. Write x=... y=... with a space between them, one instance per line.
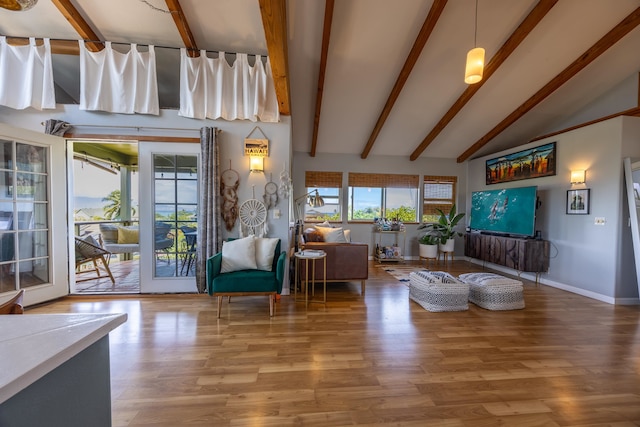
x=63 y=47
x=600 y=47
x=425 y=32
x=326 y=36
x=183 y=27
x=524 y=29
x=81 y=26
x=274 y=21
x=632 y=112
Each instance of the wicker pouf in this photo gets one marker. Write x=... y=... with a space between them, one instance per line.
x=494 y=292
x=438 y=291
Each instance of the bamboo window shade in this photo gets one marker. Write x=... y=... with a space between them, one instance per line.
x=439 y=193
x=323 y=179
x=380 y=180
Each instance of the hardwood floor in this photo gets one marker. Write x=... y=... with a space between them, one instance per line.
x=565 y=360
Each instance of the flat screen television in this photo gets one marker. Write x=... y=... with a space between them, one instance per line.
x=509 y=211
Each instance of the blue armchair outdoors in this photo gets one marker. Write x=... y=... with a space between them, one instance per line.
x=246 y=282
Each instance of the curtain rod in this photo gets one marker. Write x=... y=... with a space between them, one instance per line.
x=137 y=44
x=138 y=128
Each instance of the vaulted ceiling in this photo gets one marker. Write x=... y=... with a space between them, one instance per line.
x=377 y=77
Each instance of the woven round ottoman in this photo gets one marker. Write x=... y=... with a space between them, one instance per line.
x=438 y=291
x=493 y=291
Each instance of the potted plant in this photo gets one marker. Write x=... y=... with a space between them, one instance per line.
x=445 y=228
x=429 y=246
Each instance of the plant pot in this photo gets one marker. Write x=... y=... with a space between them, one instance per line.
x=447 y=247
x=428 y=251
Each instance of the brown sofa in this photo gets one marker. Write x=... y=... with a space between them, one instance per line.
x=346 y=262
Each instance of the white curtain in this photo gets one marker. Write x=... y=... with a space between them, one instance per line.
x=118 y=82
x=26 y=75
x=211 y=88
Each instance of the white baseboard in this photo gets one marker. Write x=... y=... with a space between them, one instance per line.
x=558 y=285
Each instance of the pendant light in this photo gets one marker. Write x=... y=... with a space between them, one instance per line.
x=475 y=58
x=17 y=5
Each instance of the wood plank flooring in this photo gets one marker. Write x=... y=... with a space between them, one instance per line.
x=377 y=359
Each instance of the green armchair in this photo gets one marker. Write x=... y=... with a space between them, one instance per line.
x=246 y=282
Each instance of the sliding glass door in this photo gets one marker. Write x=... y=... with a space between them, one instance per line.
x=168 y=216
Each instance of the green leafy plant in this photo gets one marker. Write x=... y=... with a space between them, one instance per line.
x=429 y=239
x=444 y=228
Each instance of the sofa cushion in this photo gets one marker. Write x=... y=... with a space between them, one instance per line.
x=332 y=235
x=313 y=235
x=109 y=233
x=239 y=254
x=251 y=280
x=265 y=247
x=128 y=235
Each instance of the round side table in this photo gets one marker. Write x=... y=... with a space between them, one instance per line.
x=310 y=257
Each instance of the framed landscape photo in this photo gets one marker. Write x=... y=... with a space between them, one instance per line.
x=578 y=202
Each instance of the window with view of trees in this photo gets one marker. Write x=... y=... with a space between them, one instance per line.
x=390 y=196
x=439 y=193
x=329 y=186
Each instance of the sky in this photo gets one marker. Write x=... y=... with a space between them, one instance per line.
x=90 y=181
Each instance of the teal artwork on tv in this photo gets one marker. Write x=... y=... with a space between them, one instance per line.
x=509 y=211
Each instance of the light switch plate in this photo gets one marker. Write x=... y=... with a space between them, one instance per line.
x=276 y=214
x=599 y=220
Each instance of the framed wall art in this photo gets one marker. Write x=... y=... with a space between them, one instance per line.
x=526 y=164
x=578 y=202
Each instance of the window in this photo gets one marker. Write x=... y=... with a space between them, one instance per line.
x=439 y=193
x=175 y=205
x=388 y=196
x=329 y=187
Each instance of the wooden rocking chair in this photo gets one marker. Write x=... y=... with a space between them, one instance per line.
x=88 y=250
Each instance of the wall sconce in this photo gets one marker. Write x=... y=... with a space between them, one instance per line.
x=256 y=164
x=257 y=149
x=578 y=177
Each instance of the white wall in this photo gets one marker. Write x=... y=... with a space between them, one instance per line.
x=168 y=123
x=346 y=163
x=622 y=97
x=584 y=256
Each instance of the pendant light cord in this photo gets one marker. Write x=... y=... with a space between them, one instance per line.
x=475 y=31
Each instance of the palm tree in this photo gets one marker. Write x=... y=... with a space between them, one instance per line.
x=112 y=210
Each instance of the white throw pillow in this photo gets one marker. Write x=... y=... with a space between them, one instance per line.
x=325 y=224
x=347 y=235
x=239 y=254
x=265 y=247
x=332 y=235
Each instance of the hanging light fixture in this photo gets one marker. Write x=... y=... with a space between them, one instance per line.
x=475 y=58
x=17 y=5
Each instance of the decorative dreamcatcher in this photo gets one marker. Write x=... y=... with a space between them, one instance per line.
x=253 y=217
x=229 y=183
x=285 y=184
x=270 y=195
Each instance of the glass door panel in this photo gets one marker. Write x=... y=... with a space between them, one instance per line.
x=171 y=173
x=32 y=214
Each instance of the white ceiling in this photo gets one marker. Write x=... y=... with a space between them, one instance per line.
x=370 y=40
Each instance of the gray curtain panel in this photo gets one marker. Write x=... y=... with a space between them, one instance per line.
x=56 y=127
x=209 y=222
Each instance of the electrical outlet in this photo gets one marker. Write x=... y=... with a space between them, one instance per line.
x=599 y=220
x=276 y=214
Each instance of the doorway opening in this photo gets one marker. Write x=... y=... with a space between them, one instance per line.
x=106 y=214
x=139 y=241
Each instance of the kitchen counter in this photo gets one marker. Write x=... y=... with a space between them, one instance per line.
x=58 y=363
